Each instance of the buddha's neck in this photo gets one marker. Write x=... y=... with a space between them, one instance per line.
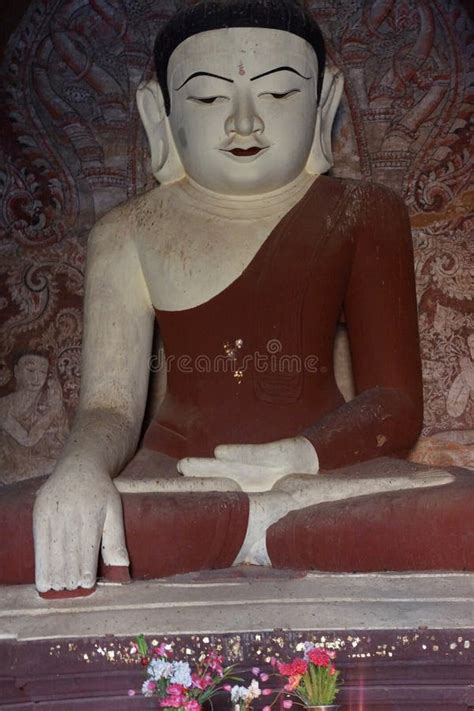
x=247 y=207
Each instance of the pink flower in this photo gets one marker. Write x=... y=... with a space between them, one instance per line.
x=255 y=671
x=162 y=651
x=267 y=708
x=192 y=705
x=287 y=703
x=176 y=697
x=267 y=692
x=171 y=702
x=214 y=661
x=273 y=662
x=176 y=690
x=201 y=682
x=131 y=692
x=264 y=677
x=148 y=687
x=227 y=687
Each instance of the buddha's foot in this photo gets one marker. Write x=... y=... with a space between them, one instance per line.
x=308 y=490
x=265 y=509
x=299 y=491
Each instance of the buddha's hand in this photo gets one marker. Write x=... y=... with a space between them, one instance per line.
x=256 y=467
x=74 y=511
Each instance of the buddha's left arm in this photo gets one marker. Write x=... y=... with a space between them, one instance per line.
x=380 y=309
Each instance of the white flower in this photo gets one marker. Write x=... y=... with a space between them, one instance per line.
x=159 y=669
x=244 y=693
x=254 y=690
x=146 y=691
x=307 y=646
x=238 y=693
x=181 y=674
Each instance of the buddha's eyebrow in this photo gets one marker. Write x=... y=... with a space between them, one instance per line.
x=279 y=69
x=203 y=74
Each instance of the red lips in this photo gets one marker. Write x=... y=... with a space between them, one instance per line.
x=246 y=151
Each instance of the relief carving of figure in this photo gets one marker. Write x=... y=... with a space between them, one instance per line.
x=33 y=422
x=462 y=387
x=453 y=446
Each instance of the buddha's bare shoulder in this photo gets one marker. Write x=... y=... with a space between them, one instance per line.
x=137 y=216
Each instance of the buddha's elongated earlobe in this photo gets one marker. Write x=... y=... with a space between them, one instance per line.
x=320 y=158
x=165 y=162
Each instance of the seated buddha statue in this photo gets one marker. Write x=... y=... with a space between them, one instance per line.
x=248 y=255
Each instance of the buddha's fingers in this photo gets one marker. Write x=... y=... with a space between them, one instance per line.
x=114 y=549
x=77 y=552
x=87 y=550
x=41 y=531
x=72 y=559
x=268 y=454
x=89 y=559
x=295 y=454
x=60 y=544
x=250 y=477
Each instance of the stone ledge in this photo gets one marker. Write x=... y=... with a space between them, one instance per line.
x=245 y=599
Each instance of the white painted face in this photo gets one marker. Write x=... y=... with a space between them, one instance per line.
x=243 y=108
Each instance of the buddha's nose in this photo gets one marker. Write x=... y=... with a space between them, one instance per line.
x=244 y=119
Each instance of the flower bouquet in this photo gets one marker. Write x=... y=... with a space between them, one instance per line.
x=242 y=697
x=175 y=684
x=313 y=679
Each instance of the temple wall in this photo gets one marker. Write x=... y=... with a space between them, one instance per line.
x=73 y=148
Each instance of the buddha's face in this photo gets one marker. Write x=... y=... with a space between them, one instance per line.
x=243 y=108
x=31 y=372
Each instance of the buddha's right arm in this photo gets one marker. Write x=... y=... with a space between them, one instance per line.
x=386 y=416
x=79 y=505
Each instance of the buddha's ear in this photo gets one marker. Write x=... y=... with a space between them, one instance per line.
x=165 y=162
x=320 y=158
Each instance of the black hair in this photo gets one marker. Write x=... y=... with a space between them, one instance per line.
x=25 y=353
x=288 y=15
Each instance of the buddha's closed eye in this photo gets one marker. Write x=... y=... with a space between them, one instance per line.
x=207 y=99
x=280 y=95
